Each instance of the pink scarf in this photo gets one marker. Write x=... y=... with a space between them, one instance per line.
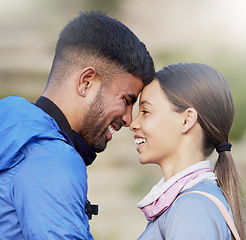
x=162 y=203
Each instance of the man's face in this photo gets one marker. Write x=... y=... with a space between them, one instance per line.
x=110 y=110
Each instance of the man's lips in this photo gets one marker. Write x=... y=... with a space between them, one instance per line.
x=111 y=129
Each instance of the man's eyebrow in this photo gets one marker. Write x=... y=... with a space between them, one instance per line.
x=133 y=98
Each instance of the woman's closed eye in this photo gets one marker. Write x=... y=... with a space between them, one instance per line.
x=144 y=112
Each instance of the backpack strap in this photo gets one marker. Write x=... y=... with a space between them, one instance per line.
x=226 y=215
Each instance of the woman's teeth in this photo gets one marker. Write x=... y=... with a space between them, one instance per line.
x=111 y=129
x=140 y=140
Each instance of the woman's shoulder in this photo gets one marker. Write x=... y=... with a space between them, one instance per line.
x=206 y=186
x=197 y=214
x=191 y=201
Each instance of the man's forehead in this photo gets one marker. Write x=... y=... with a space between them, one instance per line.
x=127 y=84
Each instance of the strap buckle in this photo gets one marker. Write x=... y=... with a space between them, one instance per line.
x=90 y=209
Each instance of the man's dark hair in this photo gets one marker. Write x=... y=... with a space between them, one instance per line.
x=95 y=34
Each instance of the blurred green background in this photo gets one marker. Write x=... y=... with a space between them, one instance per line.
x=207 y=31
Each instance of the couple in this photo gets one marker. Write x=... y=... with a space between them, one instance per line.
x=99 y=69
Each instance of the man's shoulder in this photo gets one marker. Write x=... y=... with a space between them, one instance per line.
x=51 y=162
x=54 y=153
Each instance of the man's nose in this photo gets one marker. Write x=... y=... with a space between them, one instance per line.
x=127 y=117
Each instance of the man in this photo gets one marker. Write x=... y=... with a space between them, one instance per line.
x=98 y=70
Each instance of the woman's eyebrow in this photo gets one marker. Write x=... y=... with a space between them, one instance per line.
x=144 y=102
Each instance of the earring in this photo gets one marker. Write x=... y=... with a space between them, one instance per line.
x=83 y=92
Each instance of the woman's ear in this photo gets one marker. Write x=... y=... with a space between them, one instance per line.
x=190 y=119
x=86 y=77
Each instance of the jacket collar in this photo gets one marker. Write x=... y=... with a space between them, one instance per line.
x=81 y=146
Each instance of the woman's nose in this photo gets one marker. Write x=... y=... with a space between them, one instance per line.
x=134 y=125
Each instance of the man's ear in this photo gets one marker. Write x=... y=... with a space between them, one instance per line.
x=86 y=77
x=190 y=119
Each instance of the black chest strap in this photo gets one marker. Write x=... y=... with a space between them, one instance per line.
x=90 y=209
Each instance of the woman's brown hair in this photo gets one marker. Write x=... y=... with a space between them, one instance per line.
x=205 y=89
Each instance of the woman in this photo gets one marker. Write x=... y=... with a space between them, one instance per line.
x=184 y=114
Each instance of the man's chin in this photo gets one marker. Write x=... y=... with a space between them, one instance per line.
x=99 y=147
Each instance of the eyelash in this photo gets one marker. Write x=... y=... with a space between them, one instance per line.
x=127 y=102
x=144 y=112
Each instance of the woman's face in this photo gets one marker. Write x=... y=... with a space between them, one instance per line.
x=157 y=126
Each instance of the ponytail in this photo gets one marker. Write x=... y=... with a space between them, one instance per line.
x=228 y=180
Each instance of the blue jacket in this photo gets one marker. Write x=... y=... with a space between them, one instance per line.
x=193 y=216
x=43 y=179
